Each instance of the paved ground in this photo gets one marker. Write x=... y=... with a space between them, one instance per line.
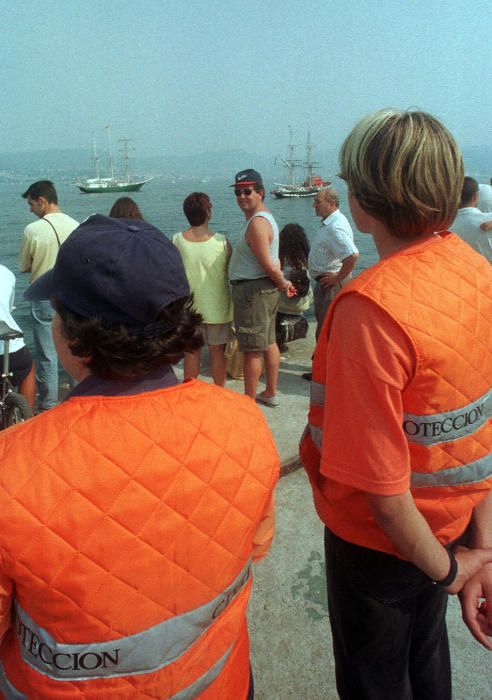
x=290 y=638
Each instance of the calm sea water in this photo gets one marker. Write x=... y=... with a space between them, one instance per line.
x=161 y=204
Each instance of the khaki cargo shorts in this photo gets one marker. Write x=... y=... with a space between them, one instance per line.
x=255 y=307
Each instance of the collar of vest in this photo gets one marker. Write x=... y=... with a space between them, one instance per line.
x=162 y=378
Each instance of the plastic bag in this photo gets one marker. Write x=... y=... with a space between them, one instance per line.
x=234 y=359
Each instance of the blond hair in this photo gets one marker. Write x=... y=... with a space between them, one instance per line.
x=405 y=170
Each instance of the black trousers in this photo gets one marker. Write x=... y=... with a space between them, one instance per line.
x=388 y=624
x=251 y=691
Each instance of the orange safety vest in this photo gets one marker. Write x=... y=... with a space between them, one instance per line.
x=440 y=293
x=127 y=530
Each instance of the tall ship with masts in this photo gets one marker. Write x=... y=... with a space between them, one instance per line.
x=312 y=183
x=98 y=184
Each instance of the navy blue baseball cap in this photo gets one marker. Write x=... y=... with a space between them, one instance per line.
x=122 y=271
x=247 y=177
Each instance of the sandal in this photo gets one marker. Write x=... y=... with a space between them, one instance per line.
x=272 y=401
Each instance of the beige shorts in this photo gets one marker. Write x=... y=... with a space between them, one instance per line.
x=216 y=333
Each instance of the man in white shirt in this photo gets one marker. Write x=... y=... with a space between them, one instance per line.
x=20 y=360
x=472 y=225
x=485 y=197
x=39 y=250
x=333 y=253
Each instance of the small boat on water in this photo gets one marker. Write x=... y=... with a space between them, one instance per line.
x=107 y=184
x=98 y=185
x=312 y=183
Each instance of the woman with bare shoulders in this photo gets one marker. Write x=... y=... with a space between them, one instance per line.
x=206 y=256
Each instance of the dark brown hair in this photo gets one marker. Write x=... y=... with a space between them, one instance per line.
x=125 y=208
x=196 y=208
x=293 y=248
x=114 y=353
x=42 y=188
x=469 y=190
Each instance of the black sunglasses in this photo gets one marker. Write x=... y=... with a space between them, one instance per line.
x=244 y=190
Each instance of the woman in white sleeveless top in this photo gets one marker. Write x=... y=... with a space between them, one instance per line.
x=206 y=256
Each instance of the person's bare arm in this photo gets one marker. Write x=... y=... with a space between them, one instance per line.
x=259 y=236
x=486 y=226
x=476 y=595
x=25 y=257
x=409 y=531
x=228 y=252
x=328 y=279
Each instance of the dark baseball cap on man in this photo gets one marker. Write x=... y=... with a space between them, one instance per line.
x=122 y=271
x=247 y=177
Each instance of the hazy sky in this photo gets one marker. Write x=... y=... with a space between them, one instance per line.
x=187 y=76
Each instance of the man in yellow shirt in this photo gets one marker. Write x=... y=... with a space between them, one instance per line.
x=40 y=244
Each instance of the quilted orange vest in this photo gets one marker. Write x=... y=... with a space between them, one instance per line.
x=441 y=295
x=127 y=527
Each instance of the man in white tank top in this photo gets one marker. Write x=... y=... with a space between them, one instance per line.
x=256 y=278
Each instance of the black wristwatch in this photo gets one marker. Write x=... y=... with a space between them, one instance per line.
x=453 y=570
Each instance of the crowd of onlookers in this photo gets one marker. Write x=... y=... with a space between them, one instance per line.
x=206 y=256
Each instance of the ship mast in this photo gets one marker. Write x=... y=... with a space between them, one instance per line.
x=95 y=157
x=309 y=163
x=290 y=162
x=110 y=145
x=125 y=150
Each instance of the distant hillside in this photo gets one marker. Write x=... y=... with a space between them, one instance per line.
x=478 y=161
x=74 y=163
x=70 y=164
x=209 y=164
x=40 y=160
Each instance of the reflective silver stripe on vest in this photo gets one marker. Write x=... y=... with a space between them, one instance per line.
x=202 y=683
x=471 y=473
x=317 y=394
x=463 y=474
x=189 y=693
x=144 y=652
x=450 y=425
x=7 y=689
x=433 y=429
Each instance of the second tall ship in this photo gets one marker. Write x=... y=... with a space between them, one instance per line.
x=312 y=183
x=99 y=185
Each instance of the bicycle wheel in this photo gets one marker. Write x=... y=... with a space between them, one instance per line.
x=17 y=409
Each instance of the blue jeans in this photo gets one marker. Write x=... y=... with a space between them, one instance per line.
x=388 y=626
x=46 y=358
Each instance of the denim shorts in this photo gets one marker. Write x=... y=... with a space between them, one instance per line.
x=255 y=307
